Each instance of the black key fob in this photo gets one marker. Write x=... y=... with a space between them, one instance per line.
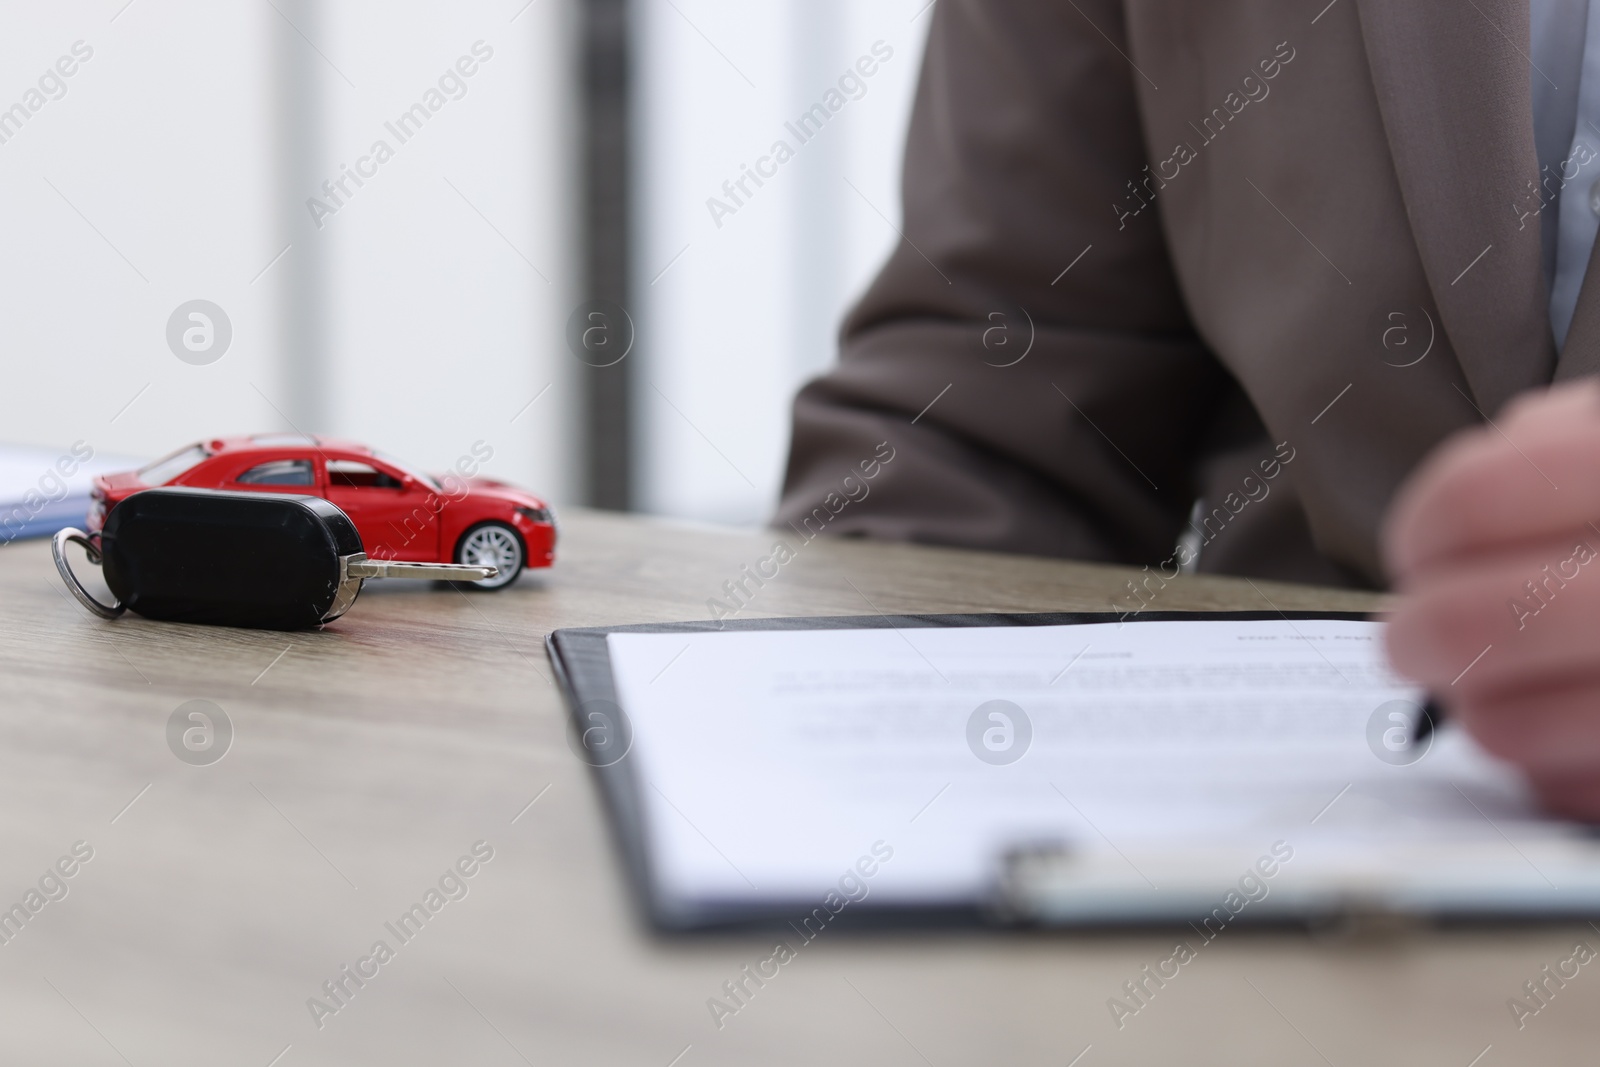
x=268 y=561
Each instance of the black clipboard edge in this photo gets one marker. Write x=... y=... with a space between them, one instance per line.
x=582 y=664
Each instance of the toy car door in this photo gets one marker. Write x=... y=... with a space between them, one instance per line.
x=396 y=516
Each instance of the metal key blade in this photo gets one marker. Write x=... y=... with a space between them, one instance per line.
x=362 y=567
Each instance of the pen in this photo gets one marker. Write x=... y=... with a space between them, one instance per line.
x=1432 y=718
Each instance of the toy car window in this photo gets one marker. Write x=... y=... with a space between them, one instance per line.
x=350 y=474
x=425 y=479
x=279 y=472
x=167 y=468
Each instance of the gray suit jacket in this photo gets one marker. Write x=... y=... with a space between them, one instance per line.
x=1155 y=249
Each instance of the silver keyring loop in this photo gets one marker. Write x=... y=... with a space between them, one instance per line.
x=58 y=545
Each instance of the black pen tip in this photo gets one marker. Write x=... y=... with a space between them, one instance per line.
x=1432 y=719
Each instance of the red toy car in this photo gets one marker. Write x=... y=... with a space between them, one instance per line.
x=401 y=514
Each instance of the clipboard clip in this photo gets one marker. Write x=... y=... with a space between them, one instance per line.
x=1053 y=884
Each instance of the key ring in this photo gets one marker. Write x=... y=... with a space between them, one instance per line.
x=58 y=545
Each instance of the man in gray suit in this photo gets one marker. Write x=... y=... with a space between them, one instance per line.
x=1201 y=285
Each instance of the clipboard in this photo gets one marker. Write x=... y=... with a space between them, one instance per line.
x=1039 y=882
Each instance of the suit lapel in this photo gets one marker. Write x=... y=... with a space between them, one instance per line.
x=1453 y=86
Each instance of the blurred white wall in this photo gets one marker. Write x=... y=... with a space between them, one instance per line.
x=733 y=318
x=452 y=267
x=428 y=311
x=158 y=178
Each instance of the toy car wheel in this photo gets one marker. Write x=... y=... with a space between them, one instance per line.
x=492 y=544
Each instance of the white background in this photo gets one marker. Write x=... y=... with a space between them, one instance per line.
x=751 y=310
x=167 y=173
x=169 y=142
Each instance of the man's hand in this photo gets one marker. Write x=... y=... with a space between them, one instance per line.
x=1495 y=545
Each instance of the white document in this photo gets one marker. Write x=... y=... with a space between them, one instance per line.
x=1156 y=760
x=37 y=498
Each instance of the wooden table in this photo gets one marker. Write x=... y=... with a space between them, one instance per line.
x=369 y=757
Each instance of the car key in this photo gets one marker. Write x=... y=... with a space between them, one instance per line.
x=261 y=560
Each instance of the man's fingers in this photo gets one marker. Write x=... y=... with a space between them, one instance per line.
x=1572 y=796
x=1549 y=733
x=1566 y=401
x=1484 y=628
x=1534 y=476
x=1496 y=542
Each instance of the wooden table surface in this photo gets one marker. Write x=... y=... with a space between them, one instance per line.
x=369 y=757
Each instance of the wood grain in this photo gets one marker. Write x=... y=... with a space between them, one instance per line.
x=369 y=756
